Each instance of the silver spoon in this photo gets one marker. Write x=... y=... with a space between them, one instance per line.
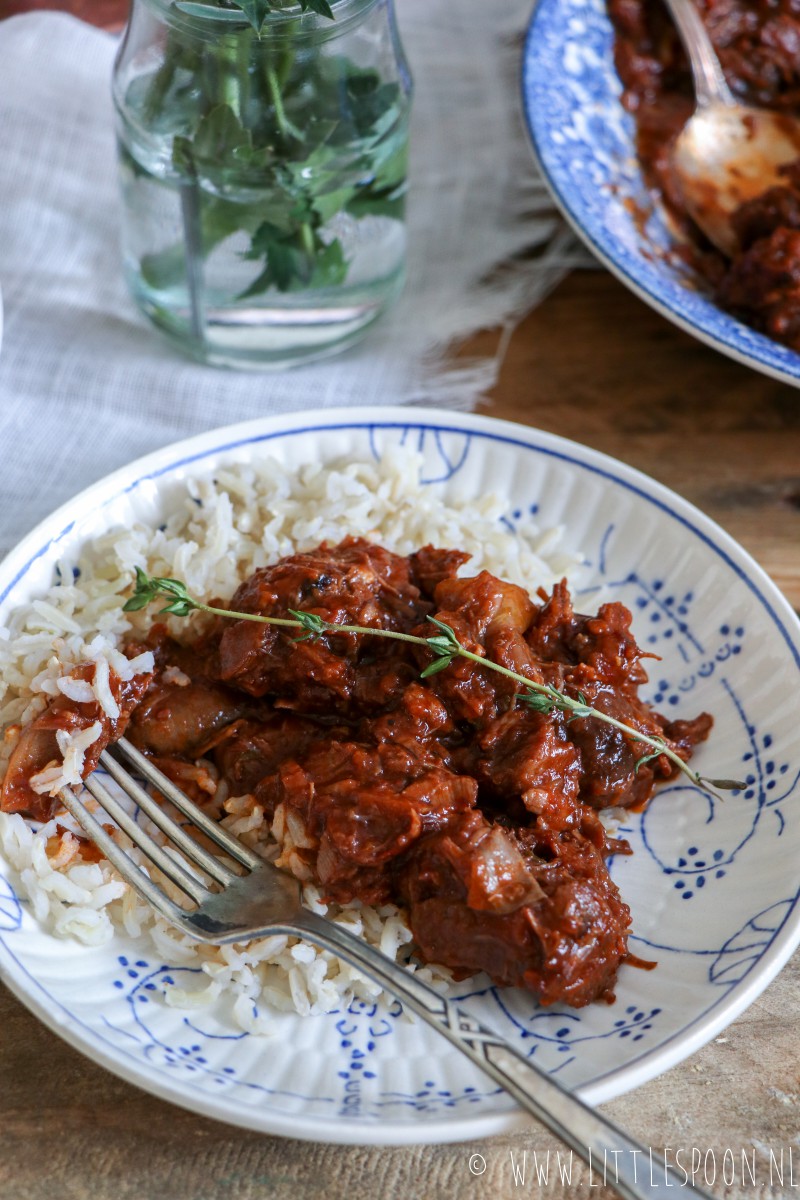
x=727 y=152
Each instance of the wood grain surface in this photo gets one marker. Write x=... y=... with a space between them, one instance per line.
x=593 y=364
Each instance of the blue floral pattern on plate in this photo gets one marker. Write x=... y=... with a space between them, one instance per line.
x=585 y=144
x=728 y=642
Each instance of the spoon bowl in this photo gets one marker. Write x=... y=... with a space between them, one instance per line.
x=728 y=152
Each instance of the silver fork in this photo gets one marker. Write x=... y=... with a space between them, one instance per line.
x=265 y=900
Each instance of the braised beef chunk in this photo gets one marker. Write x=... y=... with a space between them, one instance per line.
x=448 y=794
x=360 y=806
x=758 y=43
x=479 y=902
x=355 y=583
x=430 y=566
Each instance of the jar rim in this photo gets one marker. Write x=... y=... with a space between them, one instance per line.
x=289 y=22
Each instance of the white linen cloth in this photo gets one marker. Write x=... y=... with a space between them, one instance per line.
x=86 y=384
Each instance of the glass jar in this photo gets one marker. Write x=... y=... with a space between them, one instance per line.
x=263 y=174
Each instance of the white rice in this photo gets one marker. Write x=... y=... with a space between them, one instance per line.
x=223 y=529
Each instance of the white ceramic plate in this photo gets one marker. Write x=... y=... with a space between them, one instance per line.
x=713 y=888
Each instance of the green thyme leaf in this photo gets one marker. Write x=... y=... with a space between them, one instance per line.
x=537 y=701
x=172 y=587
x=448 y=632
x=136 y=602
x=646 y=758
x=446 y=644
x=178 y=608
x=577 y=711
x=311 y=622
x=441 y=645
x=147 y=589
x=435 y=667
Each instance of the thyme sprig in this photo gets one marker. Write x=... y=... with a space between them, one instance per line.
x=445 y=646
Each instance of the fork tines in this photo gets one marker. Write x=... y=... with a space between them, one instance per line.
x=189 y=883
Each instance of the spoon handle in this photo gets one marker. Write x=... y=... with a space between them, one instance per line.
x=709 y=81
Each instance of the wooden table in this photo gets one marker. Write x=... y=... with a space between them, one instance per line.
x=594 y=364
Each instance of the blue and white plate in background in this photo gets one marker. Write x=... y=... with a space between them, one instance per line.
x=585 y=145
x=713 y=888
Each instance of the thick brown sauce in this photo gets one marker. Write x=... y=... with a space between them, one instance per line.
x=758 y=43
x=447 y=796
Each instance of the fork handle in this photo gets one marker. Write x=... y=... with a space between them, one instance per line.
x=614 y=1157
